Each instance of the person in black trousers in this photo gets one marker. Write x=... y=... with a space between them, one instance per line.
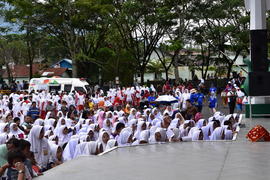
x=232 y=100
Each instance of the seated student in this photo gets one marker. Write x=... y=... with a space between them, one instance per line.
x=17 y=121
x=39 y=146
x=56 y=156
x=15 y=131
x=17 y=168
x=111 y=143
x=27 y=124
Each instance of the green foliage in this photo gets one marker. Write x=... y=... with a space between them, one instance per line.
x=117 y=38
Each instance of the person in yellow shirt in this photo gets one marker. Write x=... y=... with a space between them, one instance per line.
x=91 y=104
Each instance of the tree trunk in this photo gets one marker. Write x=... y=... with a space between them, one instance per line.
x=142 y=75
x=74 y=65
x=30 y=58
x=230 y=65
x=167 y=74
x=176 y=74
x=9 y=74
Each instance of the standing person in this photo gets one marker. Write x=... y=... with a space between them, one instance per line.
x=232 y=99
x=200 y=98
x=239 y=100
x=212 y=102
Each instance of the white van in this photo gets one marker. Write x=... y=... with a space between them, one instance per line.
x=58 y=84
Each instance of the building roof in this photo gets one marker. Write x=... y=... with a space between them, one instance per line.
x=69 y=61
x=19 y=71
x=53 y=72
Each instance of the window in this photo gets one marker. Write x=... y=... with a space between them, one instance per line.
x=54 y=88
x=77 y=88
x=67 y=87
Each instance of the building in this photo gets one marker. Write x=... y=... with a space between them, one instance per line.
x=186 y=71
x=56 y=72
x=63 y=63
x=20 y=72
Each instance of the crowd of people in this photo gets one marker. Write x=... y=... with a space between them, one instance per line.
x=41 y=130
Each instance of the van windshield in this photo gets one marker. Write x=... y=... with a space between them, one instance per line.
x=55 y=88
x=77 y=88
x=67 y=87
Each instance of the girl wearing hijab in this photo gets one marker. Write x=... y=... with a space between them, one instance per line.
x=39 y=146
x=218 y=134
x=15 y=131
x=69 y=151
x=109 y=116
x=101 y=117
x=4 y=131
x=173 y=135
x=92 y=148
x=140 y=127
x=107 y=125
x=80 y=149
x=103 y=139
x=158 y=137
x=132 y=114
x=63 y=135
x=110 y=144
x=201 y=123
x=143 y=139
x=56 y=157
x=197 y=135
x=125 y=138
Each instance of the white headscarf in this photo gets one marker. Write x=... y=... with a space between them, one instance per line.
x=124 y=136
x=13 y=132
x=69 y=151
x=90 y=148
x=39 y=147
x=196 y=135
x=54 y=149
x=63 y=138
x=139 y=129
x=80 y=149
x=217 y=134
x=100 y=140
x=110 y=144
x=200 y=123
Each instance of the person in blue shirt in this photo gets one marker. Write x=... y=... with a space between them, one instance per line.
x=193 y=97
x=33 y=111
x=200 y=98
x=151 y=98
x=212 y=102
x=213 y=89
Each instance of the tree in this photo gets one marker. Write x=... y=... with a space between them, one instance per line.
x=164 y=56
x=141 y=25
x=11 y=52
x=21 y=12
x=225 y=26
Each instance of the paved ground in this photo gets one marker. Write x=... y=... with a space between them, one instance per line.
x=234 y=160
